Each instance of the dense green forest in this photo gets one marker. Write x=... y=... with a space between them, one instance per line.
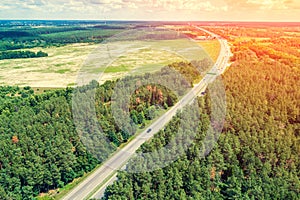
x=39 y=149
x=44 y=146
x=141 y=97
x=194 y=70
x=47 y=140
x=257 y=154
x=21 y=54
x=13 y=37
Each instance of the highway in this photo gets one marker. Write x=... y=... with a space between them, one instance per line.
x=118 y=160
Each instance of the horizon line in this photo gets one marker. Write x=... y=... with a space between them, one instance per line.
x=144 y=20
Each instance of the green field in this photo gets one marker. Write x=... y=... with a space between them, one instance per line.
x=212 y=48
x=61 y=67
x=57 y=70
x=149 y=56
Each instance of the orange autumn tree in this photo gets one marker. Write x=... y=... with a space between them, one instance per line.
x=15 y=139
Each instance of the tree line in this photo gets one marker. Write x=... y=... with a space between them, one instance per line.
x=21 y=54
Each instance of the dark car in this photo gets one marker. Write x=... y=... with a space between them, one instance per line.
x=148 y=131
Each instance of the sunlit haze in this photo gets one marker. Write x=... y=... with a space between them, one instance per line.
x=175 y=10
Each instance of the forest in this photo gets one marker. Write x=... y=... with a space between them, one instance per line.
x=257 y=154
x=50 y=139
x=42 y=34
x=21 y=54
x=44 y=146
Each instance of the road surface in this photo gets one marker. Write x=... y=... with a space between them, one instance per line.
x=107 y=172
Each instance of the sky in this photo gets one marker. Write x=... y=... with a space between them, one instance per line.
x=161 y=10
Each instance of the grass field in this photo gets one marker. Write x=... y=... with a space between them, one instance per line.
x=212 y=48
x=146 y=56
x=61 y=67
x=57 y=70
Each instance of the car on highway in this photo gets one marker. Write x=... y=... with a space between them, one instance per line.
x=149 y=130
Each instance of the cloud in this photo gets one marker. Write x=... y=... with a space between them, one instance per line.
x=263 y=4
x=101 y=2
x=147 y=9
x=172 y=5
x=269 y=4
x=4 y=7
x=157 y=5
x=292 y=4
x=132 y=5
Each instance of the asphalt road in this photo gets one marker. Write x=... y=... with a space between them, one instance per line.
x=118 y=160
